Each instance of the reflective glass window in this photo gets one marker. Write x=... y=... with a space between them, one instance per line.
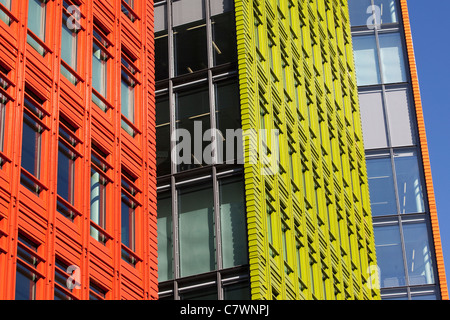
x=224 y=38
x=392 y=58
x=389 y=256
x=191 y=52
x=418 y=254
x=196 y=212
x=192 y=119
x=366 y=60
x=165 y=237
x=409 y=182
x=233 y=222
x=228 y=117
x=163 y=150
x=381 y=186
x=358 y=12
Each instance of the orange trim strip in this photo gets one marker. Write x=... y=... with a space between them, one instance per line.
x=425 y=155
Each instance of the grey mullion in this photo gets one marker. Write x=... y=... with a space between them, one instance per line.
x=176 y=249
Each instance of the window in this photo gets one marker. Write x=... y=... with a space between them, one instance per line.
x=200 y=294
x=27 y=274
x=388 y=10
x=161 y=42
x=100 y=57
x=228 y=118
x=224 y=38
x=189 y=34
x=196 y=212
x=96 y=292
x=193 y=118
x=392 y=59
x=358 y=12
x=409 y=182
x=3 y=15
x=129 y=205
x=233 y=222
x=128 y=83
x=128 y=9
x=381 y=185
x=67 y=156
x=389 y=256
x=99 y=182
x=165 y=237
x=361 y=13
x=69 y=43
x=396 y=118
x=161 y=55
x=418 y=254
x=4 y=98
x=237 y=291
x=37 y=11
x=366 y=60
x=163 y=147
x=33 y=128
x=62 y=275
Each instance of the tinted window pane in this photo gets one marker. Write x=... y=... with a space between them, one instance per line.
x=220 y=6
x=3 y=16
x=409 y=183
x=68 y=45
x=190 y=48
x=358 y=12
x=65 y=173
x=366 y=60
x=381 y=187
x=228 y=115
x=127 y=222
x=160 y=17
x=233 y=222
x=186 y=11
x=196 y=212
x=373 y=120
x=239 y=291
x=200 y=294
x=389 y=256
x=36 y=18
x=25 y=283
x=400 y=117
x=388 y=10
x=193 y=115
x=161 y=56
x=391 y=54
x=31 y=138
x=162 y=136
x=224 y=39
x=99 y=66
x=165 y=237
x=418 y=254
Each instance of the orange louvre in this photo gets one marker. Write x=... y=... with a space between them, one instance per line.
x=77 y=150
x=425 y=155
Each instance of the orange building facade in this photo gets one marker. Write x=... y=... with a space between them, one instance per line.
x=77 y=150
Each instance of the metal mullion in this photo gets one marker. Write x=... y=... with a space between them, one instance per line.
x=212 y=106
x=175 y=249
x=217 y=224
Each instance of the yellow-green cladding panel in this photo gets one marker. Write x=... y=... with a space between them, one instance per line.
x=310 y=229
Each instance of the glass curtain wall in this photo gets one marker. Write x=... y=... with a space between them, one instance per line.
x=202 y=236
x=396 y=183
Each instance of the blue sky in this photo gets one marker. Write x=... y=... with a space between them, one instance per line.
x=429 y=25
